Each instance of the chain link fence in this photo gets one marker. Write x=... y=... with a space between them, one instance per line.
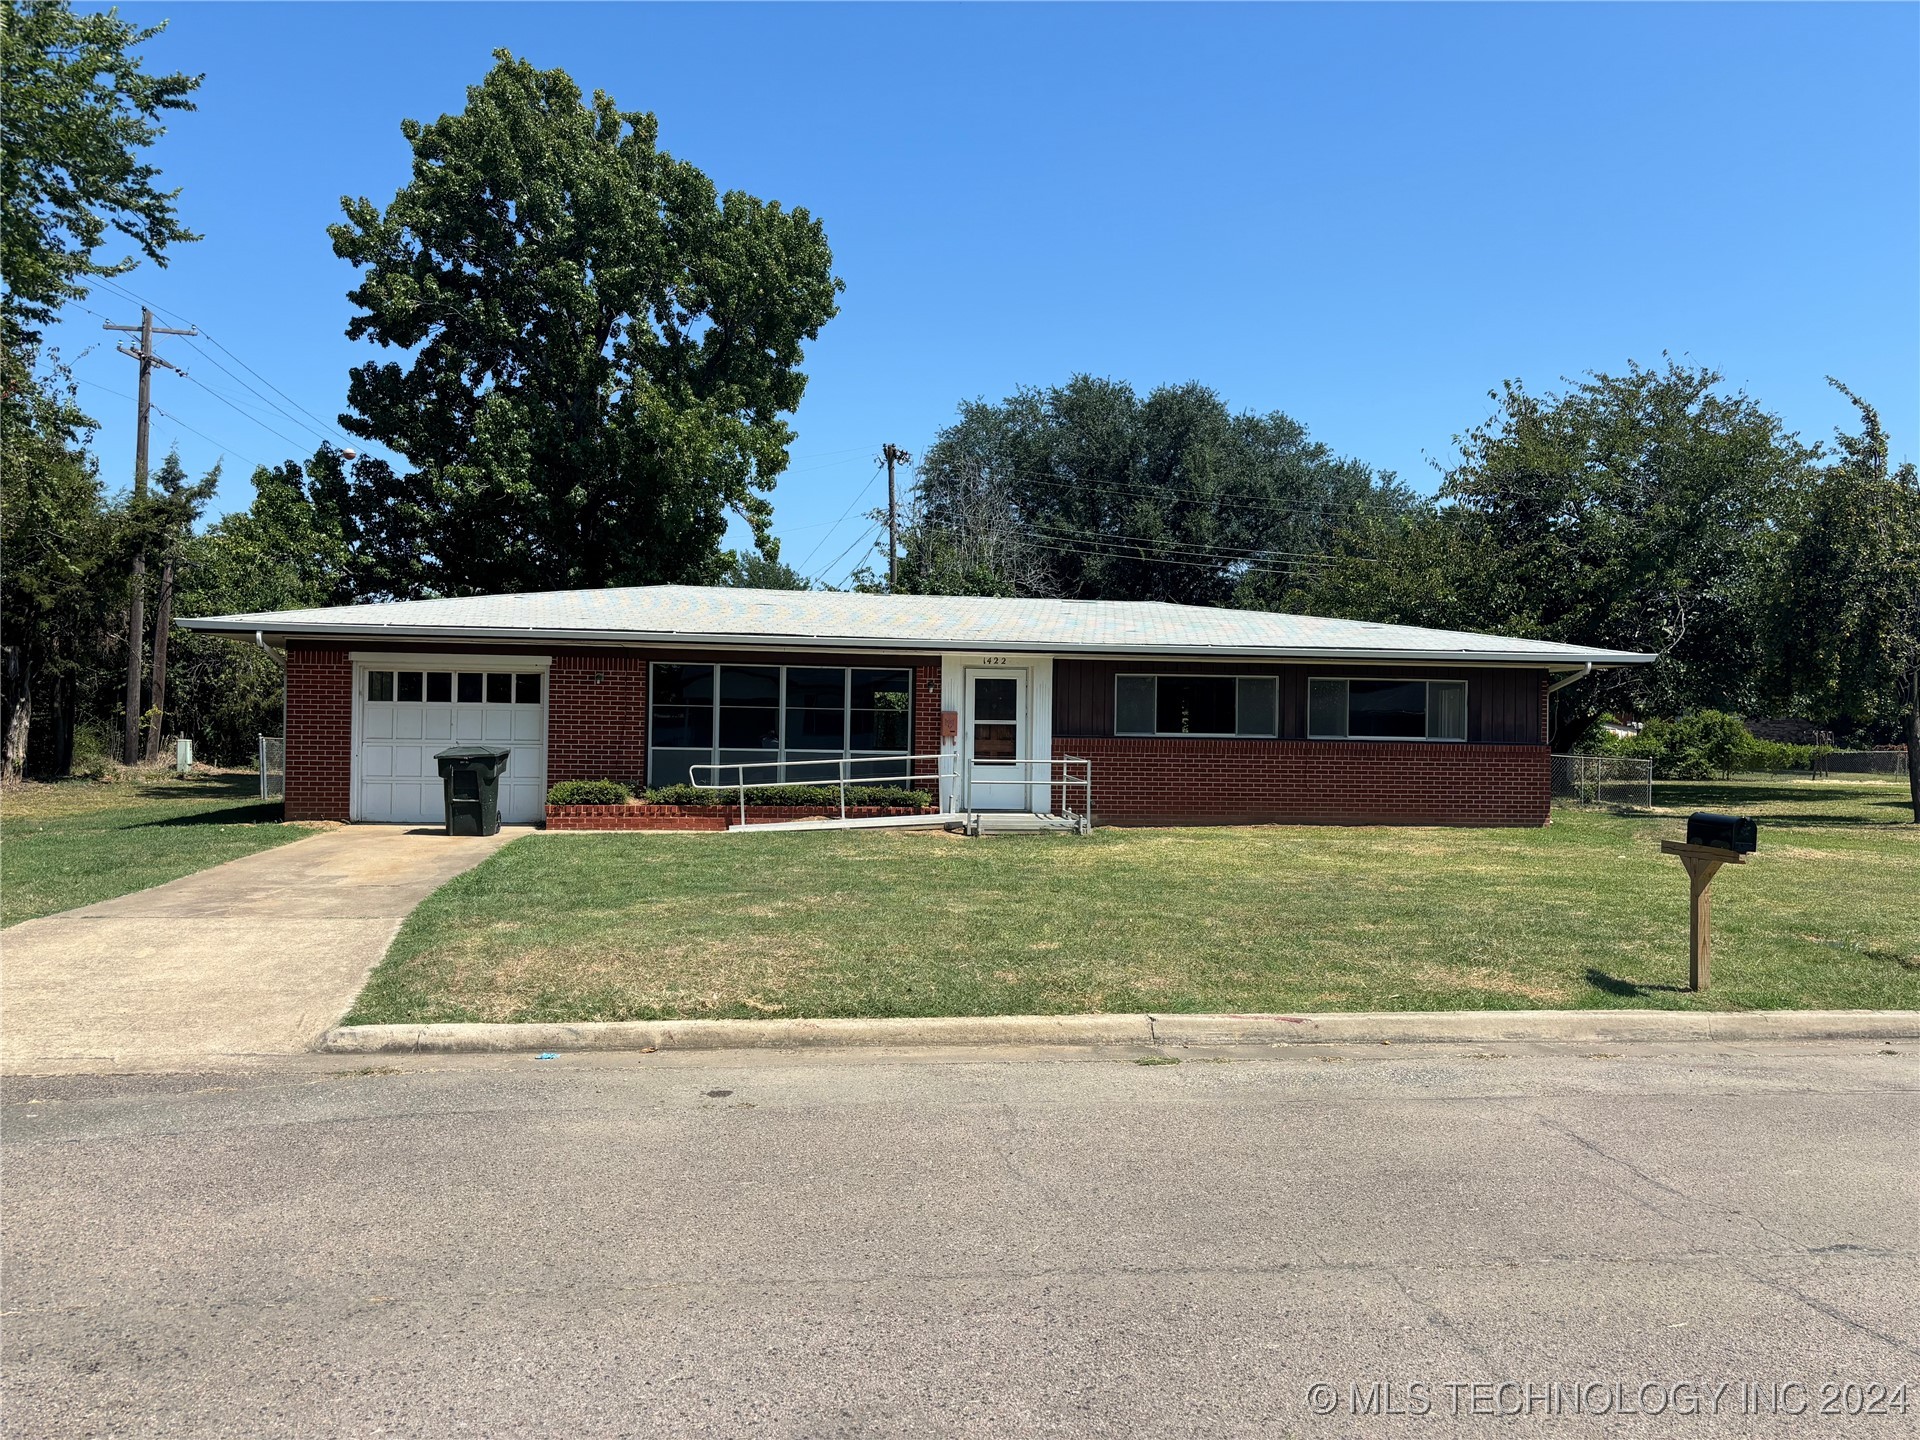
x=1610 y=780
x=273 y=768
x=1891 y=763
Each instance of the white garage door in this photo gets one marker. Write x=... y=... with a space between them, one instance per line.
x=409 y=710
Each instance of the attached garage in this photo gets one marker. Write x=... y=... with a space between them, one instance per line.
x=409 y=707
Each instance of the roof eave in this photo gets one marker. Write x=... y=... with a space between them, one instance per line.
x=1574 y=657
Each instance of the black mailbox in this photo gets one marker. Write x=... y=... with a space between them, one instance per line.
x=1724 y=832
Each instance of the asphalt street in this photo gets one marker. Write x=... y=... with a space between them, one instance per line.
x=1309 y=1241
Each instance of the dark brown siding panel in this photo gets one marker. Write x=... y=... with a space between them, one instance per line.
x=1503 y=706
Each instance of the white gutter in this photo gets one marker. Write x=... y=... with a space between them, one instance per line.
x=889 y=644
x=1571 y=679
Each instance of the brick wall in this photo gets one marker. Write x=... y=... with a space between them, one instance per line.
x=319 y=733
x=925 y=739
x=1315 y=781
x=597 y=717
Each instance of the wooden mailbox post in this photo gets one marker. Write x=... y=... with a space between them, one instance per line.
x=1703 y=862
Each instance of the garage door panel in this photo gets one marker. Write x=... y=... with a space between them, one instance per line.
x=399 y=779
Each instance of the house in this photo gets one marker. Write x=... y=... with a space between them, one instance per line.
x=1183 y=713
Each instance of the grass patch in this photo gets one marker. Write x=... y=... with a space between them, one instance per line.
x=1584 y=913
x=73 y=842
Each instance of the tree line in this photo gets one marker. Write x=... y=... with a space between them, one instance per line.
x=591 y=358
x=1653 y=510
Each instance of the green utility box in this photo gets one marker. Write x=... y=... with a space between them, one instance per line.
x=471 y=775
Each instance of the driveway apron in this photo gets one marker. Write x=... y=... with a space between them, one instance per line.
x=253 y=958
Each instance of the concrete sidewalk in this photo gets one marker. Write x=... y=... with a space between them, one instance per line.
x=252 y=958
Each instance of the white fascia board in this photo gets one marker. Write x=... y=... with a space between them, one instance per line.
x=1574 y=656
x=400 y=659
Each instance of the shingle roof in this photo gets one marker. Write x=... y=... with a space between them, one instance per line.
x=779 y=619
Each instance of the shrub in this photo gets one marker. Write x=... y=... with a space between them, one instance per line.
x=589 y=792
x=809 y=795
x=1705 y=744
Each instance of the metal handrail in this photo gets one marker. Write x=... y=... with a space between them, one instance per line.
x=946 y=765
x=1082 y=819
x=841 y=777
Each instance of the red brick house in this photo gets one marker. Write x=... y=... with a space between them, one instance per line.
x=1183 y=713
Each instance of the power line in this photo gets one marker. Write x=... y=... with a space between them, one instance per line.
x=1320 y=509
x=1229 y=552
x=221 y=444
x=866 y=536
x=234 y=406
x=1248 y=567
x=802 y=567
x=325 y=432
x=281 y=410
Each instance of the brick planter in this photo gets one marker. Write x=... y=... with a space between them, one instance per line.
x=703 y=817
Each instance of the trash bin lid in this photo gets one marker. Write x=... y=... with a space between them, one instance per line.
x=474 y=752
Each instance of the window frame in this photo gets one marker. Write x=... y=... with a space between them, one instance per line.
x=782 y=755
x=1466 y=713
x=1233 y=677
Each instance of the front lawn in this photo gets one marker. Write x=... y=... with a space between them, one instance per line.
x=1585 y=913
x=72 y=842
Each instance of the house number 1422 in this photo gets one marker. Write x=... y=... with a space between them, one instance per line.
x=993 y=659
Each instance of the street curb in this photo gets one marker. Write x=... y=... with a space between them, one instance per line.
x=1450 y=1027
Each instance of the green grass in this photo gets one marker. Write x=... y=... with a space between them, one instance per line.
x=73 y=842
x=1584 y=913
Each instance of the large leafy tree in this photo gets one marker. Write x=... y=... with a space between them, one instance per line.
x=1090 y=491
x=600 y=350
x=63 y=553
x=77 y=116
x=1632 y=512
x=1845 y=619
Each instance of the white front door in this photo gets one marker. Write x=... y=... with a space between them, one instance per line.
x=407 y=710
x=993 y=737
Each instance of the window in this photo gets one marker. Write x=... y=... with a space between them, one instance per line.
x=775 y=720
x=1223 y=705
x=996 y=719
x=817 y=710
x=442 y=687
x=1387 y=709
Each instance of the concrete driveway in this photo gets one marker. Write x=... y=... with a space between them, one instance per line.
x=252 y=958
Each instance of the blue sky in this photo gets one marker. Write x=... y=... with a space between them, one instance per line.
x=1366 y=216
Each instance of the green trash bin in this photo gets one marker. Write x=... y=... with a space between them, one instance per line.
x=470 y=775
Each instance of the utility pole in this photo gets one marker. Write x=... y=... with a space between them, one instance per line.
x=136 y=608
x=893 y=455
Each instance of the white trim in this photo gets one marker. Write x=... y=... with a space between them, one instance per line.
x=403 y=660
x=1466 y=715
x=880 y=644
